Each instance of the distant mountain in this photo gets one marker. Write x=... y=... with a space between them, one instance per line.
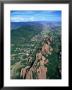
x=24 y=30
x=34 y=24
x=15 y=25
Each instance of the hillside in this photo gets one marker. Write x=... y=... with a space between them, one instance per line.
x=26 y=38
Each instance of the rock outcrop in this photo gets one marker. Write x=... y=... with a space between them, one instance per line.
x=38 y=66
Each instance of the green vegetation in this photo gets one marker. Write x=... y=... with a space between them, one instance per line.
x=24 y=44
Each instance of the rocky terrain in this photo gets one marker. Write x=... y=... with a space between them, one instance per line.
x=36 y=51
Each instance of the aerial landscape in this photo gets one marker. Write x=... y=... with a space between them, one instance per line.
x=35 y=44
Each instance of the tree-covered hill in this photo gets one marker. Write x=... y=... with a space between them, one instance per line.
x=25 y=41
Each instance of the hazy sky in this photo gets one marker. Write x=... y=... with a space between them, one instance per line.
x=35 y=15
